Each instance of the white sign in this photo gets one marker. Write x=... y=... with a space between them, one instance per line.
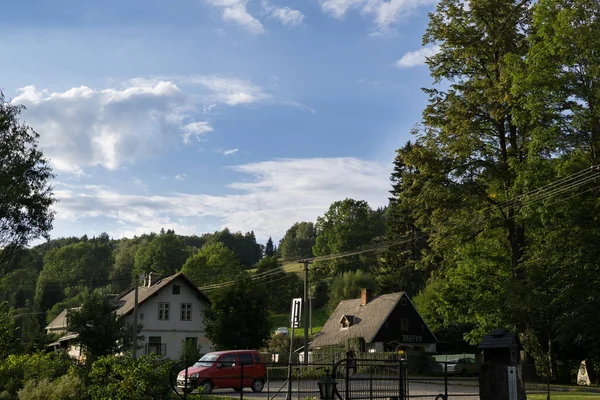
x=582 y=375
x=296 y=313
x=412 y=338
x=512 y=383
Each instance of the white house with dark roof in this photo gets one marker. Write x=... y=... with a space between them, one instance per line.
x=389 y=322
x=170 y=311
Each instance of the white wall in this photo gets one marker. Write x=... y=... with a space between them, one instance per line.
x=173 y=331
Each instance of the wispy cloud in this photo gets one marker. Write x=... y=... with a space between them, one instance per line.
x=196 y=130
x=236 y=11
x=280 y=193
x=384 y=13
x=230 y=91
x=286 y=15
x=418 y=57
x=181 y=177
x=229 y=152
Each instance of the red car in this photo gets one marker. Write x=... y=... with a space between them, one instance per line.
x=223 y=369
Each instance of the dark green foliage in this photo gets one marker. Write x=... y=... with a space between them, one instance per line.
x=18 y=369
x=66 y=387
x=100 y=331
x=239 y=317
x=244 y=246
x=68 y=270
x=8 y=342
x=269 y=248
x=164 y=255
x=25 y=193
x=348 y=225
x=298 y=241
x=348 y=286
x=116 y=377
x=213 y=263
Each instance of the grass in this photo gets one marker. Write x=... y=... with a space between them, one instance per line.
x=319 y=317
x=564 y=396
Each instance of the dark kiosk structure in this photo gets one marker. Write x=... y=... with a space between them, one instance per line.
x=501 y=376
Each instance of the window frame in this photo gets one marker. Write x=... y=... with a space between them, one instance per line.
x=164 y=311
x=187 y=309
x=404 y=324
x=176 y=289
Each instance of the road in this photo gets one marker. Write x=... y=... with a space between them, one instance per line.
x=360 y=390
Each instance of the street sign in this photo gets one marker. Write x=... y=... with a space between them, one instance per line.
x=296 y=313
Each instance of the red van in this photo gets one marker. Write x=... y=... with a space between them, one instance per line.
x=223 y=369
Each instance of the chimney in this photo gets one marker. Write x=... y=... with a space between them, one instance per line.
x=149 y=279
x=365 y=296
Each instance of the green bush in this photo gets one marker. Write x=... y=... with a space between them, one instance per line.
x=116 y=377
x=15 y=370
x=67 y=387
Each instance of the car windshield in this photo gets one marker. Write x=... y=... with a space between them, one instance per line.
x=207 y=360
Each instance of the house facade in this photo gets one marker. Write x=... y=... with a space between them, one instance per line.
x=386 y=323
x=170 y=311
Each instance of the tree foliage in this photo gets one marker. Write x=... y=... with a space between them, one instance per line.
x=269 y=248
x=213 y=263
x=238 y=317
x=348 y=286
x=298 y=241
x=25 y=192
x=163 y=255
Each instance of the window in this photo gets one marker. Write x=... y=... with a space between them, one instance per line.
x=404 y=324
x=257 y=359
x=176 y=289
x=422 y=327
x=245 y=359
x=163 y=311
x=227 y=360
x=155 y=346
x=186 y=311
x=403 y=301
x=141 y=316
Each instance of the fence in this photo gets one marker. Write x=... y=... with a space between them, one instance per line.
x=356 y=379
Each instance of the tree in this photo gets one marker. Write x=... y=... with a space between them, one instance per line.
x=269 y=248
x=348 y=286
x=213 y=263
x=347 y=225
x=244 y=246
x=70 y=269
x=25 y=193
x=163 y=255
x=100 y=331
x=280 y=287
x=121 y=274
x=8 y=342
x=298 y=241
x=238 y=317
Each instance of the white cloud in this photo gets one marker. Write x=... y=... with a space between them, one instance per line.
x=236 y=11
x=287 y=16
x=181 y=177
x=230 y=91
x=418 y=57
x=383 y=12
x=229 y=152
x=86 y=127
x=278 y=194
x=197 y=130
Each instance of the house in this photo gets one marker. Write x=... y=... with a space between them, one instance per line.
x=170 y=311
x=389 y=322
x=66 y=342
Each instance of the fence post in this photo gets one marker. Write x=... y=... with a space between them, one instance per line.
x=348 y=397
x=400 y=381
x=446 y=381
x=242 y=384
x=289 y=391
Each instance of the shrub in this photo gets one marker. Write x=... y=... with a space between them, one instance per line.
x=67 y=387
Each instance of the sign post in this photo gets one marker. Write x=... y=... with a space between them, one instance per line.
x=294 y=323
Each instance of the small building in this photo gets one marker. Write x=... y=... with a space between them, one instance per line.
x=170 y=311
x=501 y=346
x=66 y=341
x=389 y=322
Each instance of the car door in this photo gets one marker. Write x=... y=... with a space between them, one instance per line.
x=249 y=368
x=227 y=375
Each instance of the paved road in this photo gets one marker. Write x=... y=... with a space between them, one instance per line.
x=360 y=390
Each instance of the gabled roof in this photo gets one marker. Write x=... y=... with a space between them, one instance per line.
x=499 y=338
x=127 y=299
x=60 y=322
x=368 y=320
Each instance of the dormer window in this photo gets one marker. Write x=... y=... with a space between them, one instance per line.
x=346 y=321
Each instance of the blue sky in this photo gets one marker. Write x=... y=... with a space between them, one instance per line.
x=199 y=114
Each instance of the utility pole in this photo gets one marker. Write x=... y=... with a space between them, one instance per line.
x=306 y=312
x=135 y=318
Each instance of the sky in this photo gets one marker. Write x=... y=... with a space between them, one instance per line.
x=195 y=115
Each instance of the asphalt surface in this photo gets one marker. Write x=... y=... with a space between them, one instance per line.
x=457 y=390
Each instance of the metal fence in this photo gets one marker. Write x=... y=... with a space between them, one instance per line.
x=356 y=379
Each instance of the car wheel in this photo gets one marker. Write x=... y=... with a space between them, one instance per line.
x=257 y=385
x=187 y=390
x=464 y=372
x=206 y=387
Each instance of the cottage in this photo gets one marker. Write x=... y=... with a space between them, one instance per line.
x=389 y=322
x=170 y=311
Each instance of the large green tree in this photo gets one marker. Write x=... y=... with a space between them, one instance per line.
x=238 y=318
x=213 y=263
x=25 y=192
x=163 y=255
x=298 y=241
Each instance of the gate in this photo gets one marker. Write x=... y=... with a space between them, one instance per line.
x=362 y=379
